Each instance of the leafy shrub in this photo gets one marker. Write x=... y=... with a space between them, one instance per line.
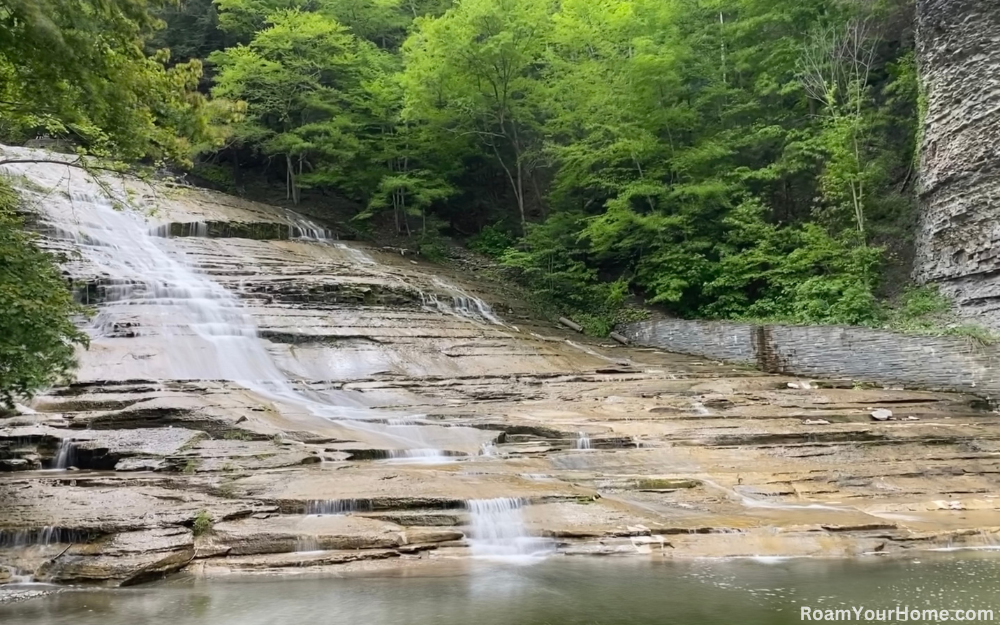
x=202 y=523
x=492 y=241
x=432 y=247
x=37 y=334
x=796 y=274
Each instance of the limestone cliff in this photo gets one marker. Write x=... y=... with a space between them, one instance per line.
x=958 y=242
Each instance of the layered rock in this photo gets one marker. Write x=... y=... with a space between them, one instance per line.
x=958 y=242
x=256 y=401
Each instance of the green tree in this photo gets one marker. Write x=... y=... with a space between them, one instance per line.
x=474 y=71
x=294 y=77
x=37 y=335
x=76 y=68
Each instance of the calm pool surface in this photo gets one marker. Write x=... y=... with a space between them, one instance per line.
x=559 y=591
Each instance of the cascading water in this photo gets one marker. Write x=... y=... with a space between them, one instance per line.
x=337 y=507
x=42 y=537
x=462 y=304
x=191 y=326
x=498 y=531
x=583 y=441
x=66 y=457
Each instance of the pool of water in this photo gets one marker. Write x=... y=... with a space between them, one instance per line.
x=559 y=591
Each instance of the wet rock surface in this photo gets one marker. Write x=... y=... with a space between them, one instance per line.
x=424 y=390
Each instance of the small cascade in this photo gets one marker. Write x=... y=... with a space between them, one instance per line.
x=583 y=441
x=338 y=507
x=700 y=409
x=489 y=450
x=462 y=304
x=16 y=576
x=498 y=531
x=42 y=537
x=307 y=544
x=304 y=228
x=197 y=229
x=66 y=457
x=356 y=255
x=419 y=456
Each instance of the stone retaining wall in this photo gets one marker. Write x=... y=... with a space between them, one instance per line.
x=936 y=363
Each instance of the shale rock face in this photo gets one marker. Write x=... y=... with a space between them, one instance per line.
x=958 y=243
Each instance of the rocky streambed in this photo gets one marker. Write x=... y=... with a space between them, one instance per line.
x=261 y=396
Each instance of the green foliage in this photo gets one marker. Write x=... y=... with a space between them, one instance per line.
x=77 y=69
x=730 y=159
x=493 y=241
x=432 y=247
x=799 y=274
x=924 y=310
x=37 y=334
x=202 y=523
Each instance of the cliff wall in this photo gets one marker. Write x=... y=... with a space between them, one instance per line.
x=958 y=241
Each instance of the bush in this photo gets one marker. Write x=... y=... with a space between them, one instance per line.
x=202 y=523
x=432 y=247
x=38 y=338
x=492 y=241
x=798 y=274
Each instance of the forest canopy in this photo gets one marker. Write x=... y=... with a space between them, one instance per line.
x=718 y=158
x=730 y=159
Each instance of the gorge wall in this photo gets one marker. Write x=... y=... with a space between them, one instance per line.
x=958 y=240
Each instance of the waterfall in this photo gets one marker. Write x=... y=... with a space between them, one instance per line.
x=45 y=536
x=498 y=530
x=66 y=456
x=419 y=456
x=462 y=304
x=337 y=507
x=700 y=408
x=191 y=327
x=583 y=441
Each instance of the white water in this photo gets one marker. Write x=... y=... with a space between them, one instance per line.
x=337 y=507
x=498 y=531
x=193 y=328
x=583 y=441
x=66 y=456
x=463 y=304
x=159 y=318
x=19 y=539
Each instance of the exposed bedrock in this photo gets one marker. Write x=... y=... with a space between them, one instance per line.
x=258 y=402
x=958 y=242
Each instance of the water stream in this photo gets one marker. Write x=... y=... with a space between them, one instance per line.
x=66 y=456
x=497 y=530
x=194 y=328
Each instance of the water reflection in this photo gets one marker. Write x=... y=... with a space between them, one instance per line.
x=558 y=592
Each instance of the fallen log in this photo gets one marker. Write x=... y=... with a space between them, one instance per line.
x=621 y=339
x=571 y=324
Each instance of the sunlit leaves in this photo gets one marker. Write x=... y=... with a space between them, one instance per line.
x=37 y=336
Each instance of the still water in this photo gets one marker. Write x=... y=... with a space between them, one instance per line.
x=559 y=591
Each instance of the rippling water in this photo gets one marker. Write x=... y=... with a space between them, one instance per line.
x=559 y=591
